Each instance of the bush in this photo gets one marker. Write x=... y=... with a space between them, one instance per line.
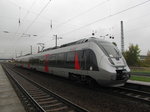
x=132 y=55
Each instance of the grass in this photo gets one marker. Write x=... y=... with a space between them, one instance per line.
x=140 y=78
x=144 y=72
x=140 y=70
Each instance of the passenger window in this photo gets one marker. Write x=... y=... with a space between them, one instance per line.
x=70 y=60
x=60 y=60
x=52 y=60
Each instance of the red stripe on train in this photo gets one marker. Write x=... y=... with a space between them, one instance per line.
x=77 y=65
x=28 y=65
x=46 y=68
x=46 y=63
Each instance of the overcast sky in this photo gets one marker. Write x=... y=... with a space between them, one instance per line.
x=27 y=22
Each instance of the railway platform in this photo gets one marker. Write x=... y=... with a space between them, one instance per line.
x=139 y=82
x=9 y=101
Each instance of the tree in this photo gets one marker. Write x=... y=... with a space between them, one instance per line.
x=147 y=59
x=132 y=55
x=148 y=53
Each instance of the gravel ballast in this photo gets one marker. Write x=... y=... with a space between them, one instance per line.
x=92 y=100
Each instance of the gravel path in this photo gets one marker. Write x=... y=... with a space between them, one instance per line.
x=94 y=101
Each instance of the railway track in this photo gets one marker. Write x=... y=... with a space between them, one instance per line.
x=36 y=98
x=130 y=91
x=138 y=86
x=135 y=94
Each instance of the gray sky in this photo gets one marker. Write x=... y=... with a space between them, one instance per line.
x=71 y=20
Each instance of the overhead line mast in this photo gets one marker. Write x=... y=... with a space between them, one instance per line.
x=122 y=37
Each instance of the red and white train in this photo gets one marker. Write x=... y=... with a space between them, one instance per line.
x=86 y=60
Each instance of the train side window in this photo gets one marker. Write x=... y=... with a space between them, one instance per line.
x=31 y=61
x=60 y=59
x=65 y=60
x=41 y=60
x=52 y=60
x=70 y=60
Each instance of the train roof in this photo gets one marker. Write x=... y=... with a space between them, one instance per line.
x=91 y=39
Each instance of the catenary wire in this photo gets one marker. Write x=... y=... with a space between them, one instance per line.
x=106 y=17
x=82 y=13
x=37 y=16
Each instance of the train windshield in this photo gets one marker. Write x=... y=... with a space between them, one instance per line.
x=109 y=49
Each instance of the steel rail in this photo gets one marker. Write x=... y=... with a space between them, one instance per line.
x=133 y=93
x=17 y=86
x=138 y=86
x=41 y=97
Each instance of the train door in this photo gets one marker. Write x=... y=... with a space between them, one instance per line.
x=87 y=59
x=82 y=60
x=90 y=61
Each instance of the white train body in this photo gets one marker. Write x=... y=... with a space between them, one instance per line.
x=84 y=59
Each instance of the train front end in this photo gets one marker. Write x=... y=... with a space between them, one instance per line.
x=113 y=67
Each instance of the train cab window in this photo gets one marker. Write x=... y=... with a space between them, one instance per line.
x=109 y=49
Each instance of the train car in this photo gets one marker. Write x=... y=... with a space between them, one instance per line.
x=88 y=60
